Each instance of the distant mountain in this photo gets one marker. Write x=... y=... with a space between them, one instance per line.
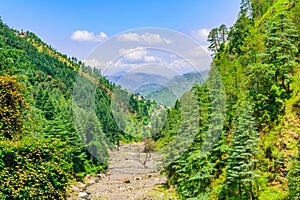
x=159 y=88
x=117 y=76
x=139 y=82
x=176 y=87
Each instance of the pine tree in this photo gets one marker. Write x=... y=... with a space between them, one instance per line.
x=92 y=135
x=281 y=49
x=238 y=32
x=213 y=39
x=62 y=128
x=223 y=33
x=246 y=8
x=217 y=115
x=217 y=38
x=240 y=174
x=271 y=78
x=48 y=106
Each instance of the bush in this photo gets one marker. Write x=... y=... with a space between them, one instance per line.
x=32 y=169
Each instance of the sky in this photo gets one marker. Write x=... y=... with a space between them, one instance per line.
x=77 y=27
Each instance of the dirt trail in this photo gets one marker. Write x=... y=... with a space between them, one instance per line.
x=127 y=178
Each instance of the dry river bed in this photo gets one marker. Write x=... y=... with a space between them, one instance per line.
x=126 y=178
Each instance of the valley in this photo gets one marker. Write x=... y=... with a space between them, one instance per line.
x=212 y=120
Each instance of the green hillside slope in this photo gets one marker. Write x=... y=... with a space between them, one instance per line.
x=51 y=131
x=254 y=154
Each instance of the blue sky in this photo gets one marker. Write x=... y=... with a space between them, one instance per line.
x=56 y=21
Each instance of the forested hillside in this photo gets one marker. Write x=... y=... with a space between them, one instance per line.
x=247 y=146
x=49 y=133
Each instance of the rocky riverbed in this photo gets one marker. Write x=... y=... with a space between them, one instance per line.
x=133 y=174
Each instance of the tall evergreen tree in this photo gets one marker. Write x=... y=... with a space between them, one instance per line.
x=246 y=8
x=223 y=33
x=281 y=48
x=240 y=174
x=213 y=39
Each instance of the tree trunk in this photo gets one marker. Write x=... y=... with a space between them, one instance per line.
x=251 y=192
x=240 y=190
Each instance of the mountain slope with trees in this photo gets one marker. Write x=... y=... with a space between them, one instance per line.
x=50 y=133
x=255 y=154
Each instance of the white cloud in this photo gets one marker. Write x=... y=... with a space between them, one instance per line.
x=138 y=54
x=150 y=58
x=93 y=62
x=84 y=35
x=148 y=38
x=200 y=35
x=129 y=37
x=154 y=39
x=135 y=54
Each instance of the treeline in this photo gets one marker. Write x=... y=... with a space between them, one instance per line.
x=248 y=149
x=51 y=131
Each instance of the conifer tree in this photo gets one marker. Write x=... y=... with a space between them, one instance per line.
x=240 y=174
x=223 y=32
x=213 y=39
x=281 y=49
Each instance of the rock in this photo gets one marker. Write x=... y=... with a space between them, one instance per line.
x=95 y=178
x=161 y=195
x=88 y=180
x=126 y=180
x=81 y=186
x=88 y=192
x=101 y=176
x=75 y=189
x=171 y=189
x=83 y=195
x=122 y=188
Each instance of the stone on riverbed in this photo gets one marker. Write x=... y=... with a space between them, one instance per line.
x=83 y=195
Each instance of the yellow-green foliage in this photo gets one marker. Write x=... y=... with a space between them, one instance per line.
x=31 y=169
x=12 y=106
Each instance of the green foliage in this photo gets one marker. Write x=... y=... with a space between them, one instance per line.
x=193 y=171
x=257 y=61
x=238 y=33
x=92 y=136
x=241 y=176
x=281 y=48
x=270 y=80
x=257 y=64
x=12 y=107
x=217 y=38
x=44 y=80
x=294 y=178
x=32 y=169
